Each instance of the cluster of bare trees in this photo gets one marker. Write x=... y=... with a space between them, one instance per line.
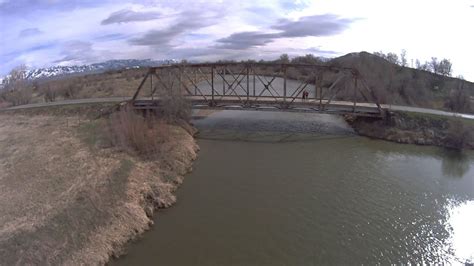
x=308 y=59
x=441 y=67
x=17 y=89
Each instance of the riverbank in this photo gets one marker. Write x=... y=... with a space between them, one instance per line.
x=68 y=197
x=420 y=129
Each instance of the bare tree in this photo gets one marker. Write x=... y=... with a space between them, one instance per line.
x=445 y=67
x=391 y=57
x=17 y=89
x=284 y=58
x=403 y=58
x=15 y=78
x=421 y=66
x=309 y=59
x=434 y=65
x=459 y=98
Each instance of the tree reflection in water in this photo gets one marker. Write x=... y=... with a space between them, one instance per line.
x=454 y=163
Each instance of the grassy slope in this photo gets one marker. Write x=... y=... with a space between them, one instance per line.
x=68 y=197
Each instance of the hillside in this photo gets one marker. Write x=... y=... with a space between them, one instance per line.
x=394 y=84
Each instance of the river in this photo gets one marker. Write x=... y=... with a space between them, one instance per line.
x=303 y=189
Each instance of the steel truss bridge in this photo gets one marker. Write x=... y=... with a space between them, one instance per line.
x=260 y=86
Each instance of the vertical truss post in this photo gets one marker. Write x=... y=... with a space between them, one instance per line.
x=284 y=83
x=223 y=80
x=316 y=82
x=320 y=85
x=254 y=82
x=248 y=84
x=212 y=85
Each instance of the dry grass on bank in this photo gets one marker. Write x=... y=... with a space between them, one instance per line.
x=414 y=128
x=68 y=196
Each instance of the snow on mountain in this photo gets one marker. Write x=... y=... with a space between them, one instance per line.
x=57 y=71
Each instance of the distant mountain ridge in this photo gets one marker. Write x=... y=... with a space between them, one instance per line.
x=58 y=71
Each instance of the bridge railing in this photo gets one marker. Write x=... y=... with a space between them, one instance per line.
x=250 y=84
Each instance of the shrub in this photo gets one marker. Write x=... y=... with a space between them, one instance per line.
x=458 y=135
x=140 y=135
x=174 y=107
x=69 y=90
x=49 y=94
x=458 y=101
x=18 y=96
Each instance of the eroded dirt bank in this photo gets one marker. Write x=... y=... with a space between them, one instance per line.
x=65 y=198
x=421 y=129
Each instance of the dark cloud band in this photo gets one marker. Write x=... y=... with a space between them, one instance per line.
x=319 y=25
x=244 y=40
x=186 y=22
x=125 y=16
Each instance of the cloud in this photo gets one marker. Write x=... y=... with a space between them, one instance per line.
x=210 y=54
x=110 y=37
x=318 y=25
x=24 y=7
x=321 y=52
x=293 y=5
x=165 y=37
x=244 y=40
x=126 y=15
x=76 y=52
x=29 y=32
x=156 y=37
x=40 y=47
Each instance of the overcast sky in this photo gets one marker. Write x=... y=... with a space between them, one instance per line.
x=41 y=33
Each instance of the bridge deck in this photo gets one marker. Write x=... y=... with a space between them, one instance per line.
x=272 y=104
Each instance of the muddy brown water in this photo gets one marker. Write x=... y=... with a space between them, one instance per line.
x=295 y=194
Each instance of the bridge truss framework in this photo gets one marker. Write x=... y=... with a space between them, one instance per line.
x=259 y=86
